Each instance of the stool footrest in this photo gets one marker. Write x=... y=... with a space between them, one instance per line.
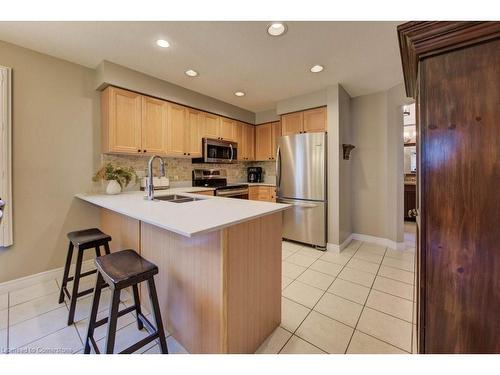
x=147 y=324
x=120 y=313
x=140 y=344
x=83 y=274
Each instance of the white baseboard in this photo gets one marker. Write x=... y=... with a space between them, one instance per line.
x=26 y=281
x=379 y=241
x=338 y=248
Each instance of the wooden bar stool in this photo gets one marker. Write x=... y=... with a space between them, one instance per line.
x=121 y=270
x=82 y=240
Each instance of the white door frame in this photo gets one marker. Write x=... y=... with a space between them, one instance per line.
x=6 y=238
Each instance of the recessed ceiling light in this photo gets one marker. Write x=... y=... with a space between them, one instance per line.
x=276 y=29
x=163 y=43
x=239 y=93
x=191 y=73
x=317 y=68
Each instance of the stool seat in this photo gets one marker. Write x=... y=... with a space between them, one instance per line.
x=125 y=268
x=88 y=237
x=121 y=270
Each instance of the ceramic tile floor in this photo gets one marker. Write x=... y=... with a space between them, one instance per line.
x=358 y=301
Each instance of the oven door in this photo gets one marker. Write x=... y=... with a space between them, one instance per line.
x=233 y=193
x=216 y=151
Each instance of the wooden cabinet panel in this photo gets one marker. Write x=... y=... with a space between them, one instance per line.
x=121 y=121
x=245 y=139
x=153 y=127
x=263 y=141
x=249 y=141
x=292 y=123
x=239 y=139
x=262 y=193
x=410 y=201
x=227 y=129
x=204 y=192
x=210 y=124
x=315 y=120
x=276 y=133
x=194 y=133
x=176 y=130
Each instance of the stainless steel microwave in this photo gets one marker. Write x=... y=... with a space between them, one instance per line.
x=218 y=151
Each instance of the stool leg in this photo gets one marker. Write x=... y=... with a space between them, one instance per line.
x=113 y=317
x=97 y=251
x=106 y=248
x=76 y=282
x=67 y=266
x=93 y=312
x=137 y=303
x=153 y=297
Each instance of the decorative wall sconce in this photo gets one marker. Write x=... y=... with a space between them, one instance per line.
x=347 y=150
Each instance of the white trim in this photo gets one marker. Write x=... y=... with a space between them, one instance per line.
x=379 y=241
x=338 y=248
x=6 y=237
x=26 y=281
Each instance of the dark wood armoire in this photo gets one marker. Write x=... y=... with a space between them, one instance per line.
x=452 y=69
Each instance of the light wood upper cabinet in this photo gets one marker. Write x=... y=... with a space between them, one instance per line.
x=210 y=124
x=266 y=137
x=176 y=130
x=249 y=141
x=292 y=123
x=154 y=125
x=276 y=133
x=134 y=123
x=245 y=138
x=227 y=129
x=263 y=141
x=194 y=130
x=121 y=121
x=315 y=120
x=312 y=120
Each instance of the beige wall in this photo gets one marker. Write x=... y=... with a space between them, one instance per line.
x=345 y=166
x=266 y=116
x=339 y=170
x=55 y=151
x=108 y=73
x=377 y=164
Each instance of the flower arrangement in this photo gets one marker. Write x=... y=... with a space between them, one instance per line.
x=122 y=175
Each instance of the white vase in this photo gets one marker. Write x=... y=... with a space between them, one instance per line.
x=113 y=188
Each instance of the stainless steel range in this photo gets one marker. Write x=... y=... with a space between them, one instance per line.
x=217 y=178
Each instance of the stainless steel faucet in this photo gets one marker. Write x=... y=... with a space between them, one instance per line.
x=149 y=185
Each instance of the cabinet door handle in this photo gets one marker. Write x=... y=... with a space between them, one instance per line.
x=144 y=151
x=138 y=150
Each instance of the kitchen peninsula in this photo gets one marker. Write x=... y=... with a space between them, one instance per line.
x=219 y=260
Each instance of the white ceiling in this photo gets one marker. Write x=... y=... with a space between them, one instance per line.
x=230 y=56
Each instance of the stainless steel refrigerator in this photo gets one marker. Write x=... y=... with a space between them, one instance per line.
x=301 y=177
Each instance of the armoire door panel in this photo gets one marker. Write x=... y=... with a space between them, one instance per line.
x=460 y=203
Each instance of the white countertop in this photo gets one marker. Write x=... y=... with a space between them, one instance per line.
x=187 y=219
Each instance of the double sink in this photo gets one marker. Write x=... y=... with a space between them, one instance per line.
x=175 y=198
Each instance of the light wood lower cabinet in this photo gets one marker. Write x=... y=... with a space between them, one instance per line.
x=262 y=193
x=204 y=192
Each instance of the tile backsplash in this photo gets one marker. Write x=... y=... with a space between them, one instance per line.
x=179 y=170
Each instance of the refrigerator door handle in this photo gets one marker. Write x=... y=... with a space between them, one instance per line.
x=295 y=203
x=278 y=169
